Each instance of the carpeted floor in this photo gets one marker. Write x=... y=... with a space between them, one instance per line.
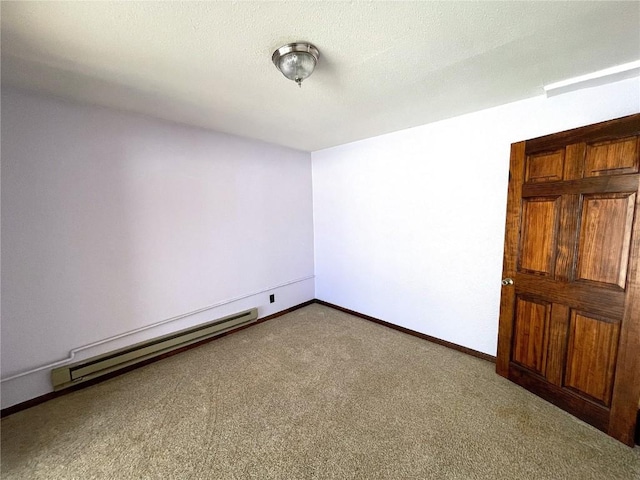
x=315 y=394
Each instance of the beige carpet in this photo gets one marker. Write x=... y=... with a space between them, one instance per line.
x=314 y=394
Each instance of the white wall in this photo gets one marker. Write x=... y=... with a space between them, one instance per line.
x=111 y=222
x=409 y=226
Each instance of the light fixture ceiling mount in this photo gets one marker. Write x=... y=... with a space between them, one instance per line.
x=296 y=61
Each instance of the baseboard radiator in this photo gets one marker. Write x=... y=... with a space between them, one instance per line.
x=90 y=368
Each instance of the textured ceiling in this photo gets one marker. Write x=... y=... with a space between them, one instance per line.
x=384 y=66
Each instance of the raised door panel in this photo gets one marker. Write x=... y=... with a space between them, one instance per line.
x=605 y=237
x=612 y=157
x=591 y=356
x=557 y=343
x=545 y=167
x=537 y=241
x=530 y=334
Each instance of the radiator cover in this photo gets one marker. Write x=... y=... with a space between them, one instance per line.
x=91 y=368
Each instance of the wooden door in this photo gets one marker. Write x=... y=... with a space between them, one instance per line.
x=570 y=321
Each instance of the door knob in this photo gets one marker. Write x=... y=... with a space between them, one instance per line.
x=507 y=281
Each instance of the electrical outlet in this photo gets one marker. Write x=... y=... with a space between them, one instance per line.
x=272 y=298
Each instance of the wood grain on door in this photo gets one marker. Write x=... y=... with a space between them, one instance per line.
x=570 y=323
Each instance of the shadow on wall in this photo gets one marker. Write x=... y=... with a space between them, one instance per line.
x=67 y=232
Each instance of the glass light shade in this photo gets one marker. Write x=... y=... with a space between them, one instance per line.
x=296 y=61
x=297 y=66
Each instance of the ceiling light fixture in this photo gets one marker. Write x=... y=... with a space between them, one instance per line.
x=296 y=61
